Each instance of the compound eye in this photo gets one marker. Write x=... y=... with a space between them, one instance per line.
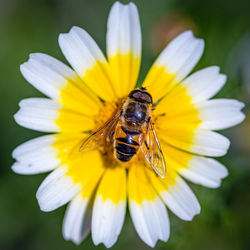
x=140 y=116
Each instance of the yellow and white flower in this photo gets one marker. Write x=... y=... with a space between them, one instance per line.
x=82 y=99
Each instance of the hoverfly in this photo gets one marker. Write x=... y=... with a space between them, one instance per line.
x=128 y=130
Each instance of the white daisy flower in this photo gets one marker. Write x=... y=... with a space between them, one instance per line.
x=81 y=100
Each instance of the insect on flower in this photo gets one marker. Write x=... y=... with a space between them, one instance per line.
x=111 y=144
x=131 y=128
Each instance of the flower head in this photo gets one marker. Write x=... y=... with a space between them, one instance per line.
x=82 y=100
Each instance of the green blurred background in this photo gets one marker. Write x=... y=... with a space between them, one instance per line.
x=28 y=26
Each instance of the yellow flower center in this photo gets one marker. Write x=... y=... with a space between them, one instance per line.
x=107 y=111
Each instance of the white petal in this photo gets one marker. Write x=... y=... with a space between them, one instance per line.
x=34 y=167
x=56 y=190
x=181 y=55
x=107 y=221
x=205 y=171
x=181 y=200
x=35 y=156
x=198 y=141
x=47 y=74
x=124 y=32
x=123 y=47
x=31 y=145
x=220 y=113
x=77 y=220
x=80 y=49
x=151 y=220
x=204 y=83
x=38 y=114
x=209 y=143
x=83 y=54
x=59 y=82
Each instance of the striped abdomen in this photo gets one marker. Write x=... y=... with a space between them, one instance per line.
x=126 y=143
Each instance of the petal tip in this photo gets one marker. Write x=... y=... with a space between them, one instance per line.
x=15 y=167
x=132 y=5
x=16 y=117
x=23 y=67
x=201 y=44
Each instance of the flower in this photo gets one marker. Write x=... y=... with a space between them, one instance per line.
x=81 y=100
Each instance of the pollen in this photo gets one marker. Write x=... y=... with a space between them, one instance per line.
x=107 y=111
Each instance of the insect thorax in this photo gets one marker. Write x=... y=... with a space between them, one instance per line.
x=135 y=113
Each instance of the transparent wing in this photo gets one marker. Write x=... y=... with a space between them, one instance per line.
x=151 y=149
x=106 y=131
x=96 y=138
